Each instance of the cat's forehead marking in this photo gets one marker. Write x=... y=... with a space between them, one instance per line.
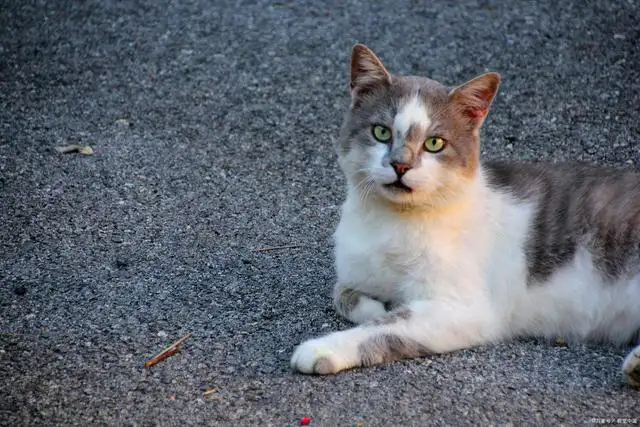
x=411 y=113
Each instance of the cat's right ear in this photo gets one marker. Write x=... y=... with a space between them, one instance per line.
x=473 y=99
x=367 y=71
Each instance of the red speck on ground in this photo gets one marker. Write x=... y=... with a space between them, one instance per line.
x=305 y=421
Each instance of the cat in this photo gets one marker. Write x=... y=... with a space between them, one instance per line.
x=436 y=251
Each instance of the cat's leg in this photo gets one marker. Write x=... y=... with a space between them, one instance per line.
x=631 y=367
x=356 y=306
x=420 y=328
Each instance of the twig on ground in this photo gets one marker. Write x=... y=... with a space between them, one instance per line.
x=276 y=248
x=167 y=352
x=212 y=394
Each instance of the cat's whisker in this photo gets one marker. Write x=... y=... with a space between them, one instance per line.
x=365 y=187
x=362 y=183
x=367 y=190
x=362 y=189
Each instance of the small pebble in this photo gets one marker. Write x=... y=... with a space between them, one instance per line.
x=124 y=122
x=19 y=290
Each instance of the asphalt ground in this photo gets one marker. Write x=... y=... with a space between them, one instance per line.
x=212 y=126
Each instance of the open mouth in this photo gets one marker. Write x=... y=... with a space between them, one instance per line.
x=399 y=185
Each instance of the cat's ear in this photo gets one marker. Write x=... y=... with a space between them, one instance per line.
x=473 y=99
x=367 y=71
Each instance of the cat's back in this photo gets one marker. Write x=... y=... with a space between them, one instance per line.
x=535 y=180
x=576 y=206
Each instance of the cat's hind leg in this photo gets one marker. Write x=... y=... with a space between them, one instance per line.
x=631 y=367
x=356 y=306
x=418 y=329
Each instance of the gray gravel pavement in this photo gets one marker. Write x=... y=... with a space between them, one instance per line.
x=212 y=126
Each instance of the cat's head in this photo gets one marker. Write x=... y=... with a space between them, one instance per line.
x=410 y=140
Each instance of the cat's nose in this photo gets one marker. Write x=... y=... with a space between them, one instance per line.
x=400 y=168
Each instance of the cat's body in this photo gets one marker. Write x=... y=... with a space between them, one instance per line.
x=468 y=253
x=485 y=253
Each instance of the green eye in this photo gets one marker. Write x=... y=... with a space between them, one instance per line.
x=434 y=144
x=381 y=133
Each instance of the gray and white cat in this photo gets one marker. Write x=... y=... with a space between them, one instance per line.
x=468 y=252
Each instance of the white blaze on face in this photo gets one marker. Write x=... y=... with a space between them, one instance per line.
x=412 y=113
x=426 y=177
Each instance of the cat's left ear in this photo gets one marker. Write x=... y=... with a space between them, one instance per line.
x=473 y=99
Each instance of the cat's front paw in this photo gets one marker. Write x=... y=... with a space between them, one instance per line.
x=321 y=356
x=631 y=368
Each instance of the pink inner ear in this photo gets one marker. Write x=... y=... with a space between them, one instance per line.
x=473 y=99
x=476 y=113
x=477 y=104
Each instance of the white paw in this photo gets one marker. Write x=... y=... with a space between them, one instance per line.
x=367 y=309
x=326 y=355
x=631 y=367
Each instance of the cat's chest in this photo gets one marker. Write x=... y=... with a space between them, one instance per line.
x=394 y=260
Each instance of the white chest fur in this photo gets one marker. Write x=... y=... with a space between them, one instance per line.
x=401 y=257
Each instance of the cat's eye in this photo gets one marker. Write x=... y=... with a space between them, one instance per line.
x=381 y=133
x=434 y=144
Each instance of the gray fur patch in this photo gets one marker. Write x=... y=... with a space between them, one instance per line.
x=345 y=300
x=577 y=206
x=385 y=348
x=397 y=315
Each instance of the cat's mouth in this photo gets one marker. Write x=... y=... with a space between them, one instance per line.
x=399 y=186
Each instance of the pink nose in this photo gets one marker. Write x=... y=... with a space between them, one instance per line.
x=400 y=168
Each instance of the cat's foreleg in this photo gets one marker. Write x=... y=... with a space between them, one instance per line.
x=356 y=306
x=417 y=329
x=631 y=367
